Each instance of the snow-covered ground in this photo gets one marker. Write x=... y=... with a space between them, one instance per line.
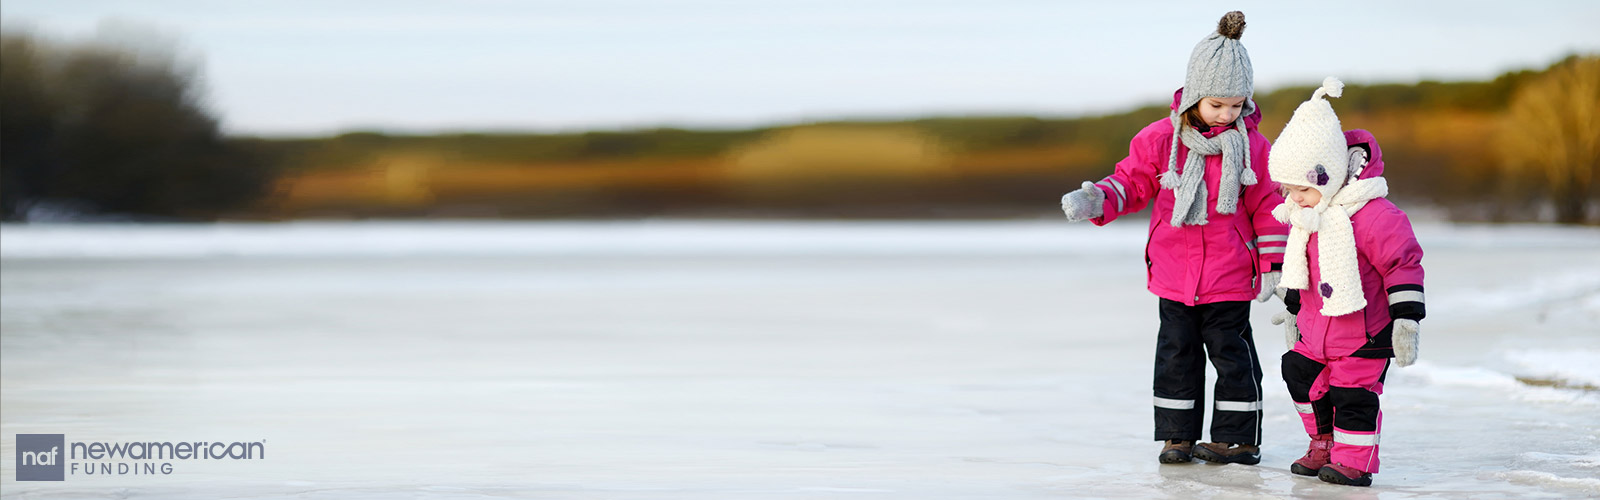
x=705 y=360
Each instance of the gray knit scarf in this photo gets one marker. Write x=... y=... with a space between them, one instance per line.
x=1190 y=187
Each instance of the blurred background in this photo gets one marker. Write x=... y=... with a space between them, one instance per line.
x=724 y=249
x=198 y=111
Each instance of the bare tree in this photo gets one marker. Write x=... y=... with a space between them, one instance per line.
x=1551 y=137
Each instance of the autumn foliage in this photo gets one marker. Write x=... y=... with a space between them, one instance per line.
x=118 y=133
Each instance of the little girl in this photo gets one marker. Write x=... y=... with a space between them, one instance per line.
x=1213 y=246
x=1356 y=253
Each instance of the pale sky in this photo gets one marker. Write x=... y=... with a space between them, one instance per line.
x=312 y=67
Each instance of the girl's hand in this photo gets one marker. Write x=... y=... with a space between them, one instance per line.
x=1269 y=286
x=1291 y=331
x=1406 y=338
x=1083 y=204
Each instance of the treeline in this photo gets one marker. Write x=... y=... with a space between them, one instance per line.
x=1448 y=144
x=1519 y=147
x=118 y=128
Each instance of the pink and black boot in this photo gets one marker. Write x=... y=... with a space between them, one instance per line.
x=1337 y=473
x=1316 y=456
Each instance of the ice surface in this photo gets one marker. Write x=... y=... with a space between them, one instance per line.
x=705 y=360
x=1567 y=368
x=645 y=239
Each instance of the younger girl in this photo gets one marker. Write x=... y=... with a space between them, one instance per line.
x=1213 y=246
x=1355 y=255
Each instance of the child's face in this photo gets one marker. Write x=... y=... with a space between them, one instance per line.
x=1220 y=111
x=1303 y=196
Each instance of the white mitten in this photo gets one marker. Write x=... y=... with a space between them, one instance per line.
x=1406 y=333
x=1269 y=286
x=1083 y=204
x=1291 y=331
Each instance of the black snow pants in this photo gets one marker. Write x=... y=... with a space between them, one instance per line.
x=1189 y=335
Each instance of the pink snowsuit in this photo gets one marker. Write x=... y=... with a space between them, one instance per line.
x=1335 y=372
x=1220 y=261
x=1206 y=275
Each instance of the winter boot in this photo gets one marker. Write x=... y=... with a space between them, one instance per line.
x=1228 y=453
x=1316 y=456
x=1177 y=452
x=1340 y=474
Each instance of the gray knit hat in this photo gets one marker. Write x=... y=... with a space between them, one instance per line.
x=1220 y=66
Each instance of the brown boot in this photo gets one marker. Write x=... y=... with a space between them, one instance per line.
x=1177 y=452
x=1228 y=453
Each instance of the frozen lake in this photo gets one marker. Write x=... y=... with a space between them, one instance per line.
x=711 y=360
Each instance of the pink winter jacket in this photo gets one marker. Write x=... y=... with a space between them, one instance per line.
x=1390 y=261
x=1216 y=262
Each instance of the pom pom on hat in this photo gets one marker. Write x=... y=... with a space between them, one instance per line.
x=1219 y=66
x=1331 y=87
x=1231 y=25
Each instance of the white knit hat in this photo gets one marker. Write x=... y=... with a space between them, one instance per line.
x=1311 y=150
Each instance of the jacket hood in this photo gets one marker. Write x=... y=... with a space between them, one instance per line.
x=1359 y=137
x=1250 y=120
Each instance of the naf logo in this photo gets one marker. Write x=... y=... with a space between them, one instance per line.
x=41 y=457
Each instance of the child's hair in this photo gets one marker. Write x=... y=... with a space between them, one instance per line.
x=1191 y=116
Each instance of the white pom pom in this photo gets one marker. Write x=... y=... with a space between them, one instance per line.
x=1310 y=220
x=1332 y=86
x=1282 y=211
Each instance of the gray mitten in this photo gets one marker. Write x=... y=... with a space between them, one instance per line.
x=1291 y=331
x=1083 y=204
x=1406 y=333
x=1269 y=286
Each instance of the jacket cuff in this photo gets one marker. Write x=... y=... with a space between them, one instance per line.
x=1116 y=193
x=1116 y=197
x=1406 y=302
x=1269 y=248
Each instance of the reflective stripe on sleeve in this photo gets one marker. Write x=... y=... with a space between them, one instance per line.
x=1273 y=237
x=1305 y=408
x=1273 y=249
x=1405 y=296
x=1121 y=192
x=1116 y=189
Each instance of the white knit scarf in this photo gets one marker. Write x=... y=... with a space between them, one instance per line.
x=1336 y=247
x=1189 y=188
